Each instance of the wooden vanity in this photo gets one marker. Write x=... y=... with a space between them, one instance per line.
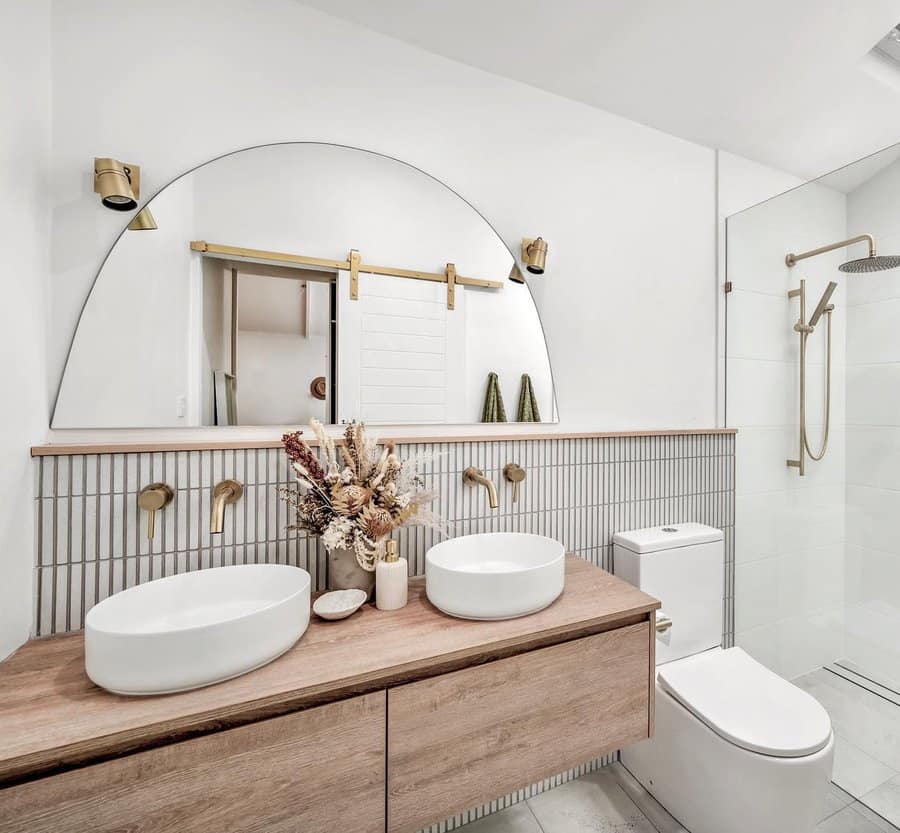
x=387 y=721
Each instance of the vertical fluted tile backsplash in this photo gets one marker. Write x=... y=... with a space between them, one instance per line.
x=91 y=537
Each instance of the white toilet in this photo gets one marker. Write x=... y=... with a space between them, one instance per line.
x=736 y=748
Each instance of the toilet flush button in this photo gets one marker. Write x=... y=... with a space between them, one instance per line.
x=669 y=529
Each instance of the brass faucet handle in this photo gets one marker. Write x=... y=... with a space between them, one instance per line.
x=151 y=499
x=514 y=474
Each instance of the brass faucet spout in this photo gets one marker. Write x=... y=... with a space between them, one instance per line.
x=228 y=491
x=473 y=476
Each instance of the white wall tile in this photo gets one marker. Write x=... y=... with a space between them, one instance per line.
x=756 y=583
x=873 y=575
x=810 y=580
x=760 y=326
x=872 y=518
x=761 y=393
x=875 y=337
x=873 y=394
x=873 y=456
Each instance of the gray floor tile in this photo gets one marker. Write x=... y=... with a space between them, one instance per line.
x=888 y=689
x=885 y=800
x=880 y=822
x=656 y=814
x=855 y=771
x=595 y=803
x=848 y=820
x=515 y=819
x=836 y=799
x=870 y=722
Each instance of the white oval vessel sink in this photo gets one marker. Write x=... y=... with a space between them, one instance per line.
x=195 y=629
x=494 y=575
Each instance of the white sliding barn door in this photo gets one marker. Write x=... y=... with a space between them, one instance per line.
x=401 y=354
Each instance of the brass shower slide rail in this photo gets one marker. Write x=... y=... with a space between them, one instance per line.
x=353 y=265
x=805 y=329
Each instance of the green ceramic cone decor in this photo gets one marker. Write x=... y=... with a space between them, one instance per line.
x=528 y=406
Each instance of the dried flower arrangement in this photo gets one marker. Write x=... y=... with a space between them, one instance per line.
x=363 y=493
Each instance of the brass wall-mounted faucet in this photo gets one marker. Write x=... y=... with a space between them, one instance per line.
x=151 y=499
x=472 y=476
x=228 y=491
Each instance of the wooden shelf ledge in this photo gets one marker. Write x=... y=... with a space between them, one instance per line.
x=506 y=434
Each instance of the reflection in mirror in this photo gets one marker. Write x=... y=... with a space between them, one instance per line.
x=299 y=281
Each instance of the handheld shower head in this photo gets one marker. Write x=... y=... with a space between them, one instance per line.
x=822 y=306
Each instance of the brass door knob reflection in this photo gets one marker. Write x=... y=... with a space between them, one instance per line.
x=151 y=499
x=318 y=388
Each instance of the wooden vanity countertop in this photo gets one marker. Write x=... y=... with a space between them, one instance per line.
x=52 y=717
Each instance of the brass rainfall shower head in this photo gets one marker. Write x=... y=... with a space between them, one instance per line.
x=870 y=263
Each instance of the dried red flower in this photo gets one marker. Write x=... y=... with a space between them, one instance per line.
x=299 y=452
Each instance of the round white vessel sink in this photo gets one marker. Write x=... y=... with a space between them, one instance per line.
x=194 y=629
x=495 y=575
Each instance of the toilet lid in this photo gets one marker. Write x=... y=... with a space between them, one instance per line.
x=747 y=704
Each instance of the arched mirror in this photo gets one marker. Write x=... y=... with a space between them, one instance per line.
x=303 y=280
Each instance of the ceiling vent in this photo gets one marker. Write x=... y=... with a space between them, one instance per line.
x=882 y=61
x=889 y=46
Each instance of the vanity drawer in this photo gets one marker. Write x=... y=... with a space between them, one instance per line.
x=301 y=772
x=465 y=738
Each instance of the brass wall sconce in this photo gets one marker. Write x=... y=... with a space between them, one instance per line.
x=117 y=183
x=534 y=254
x=143 y=221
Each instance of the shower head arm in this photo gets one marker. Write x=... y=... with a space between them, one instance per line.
x=791 y=259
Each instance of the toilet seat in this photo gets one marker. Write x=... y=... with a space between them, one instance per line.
x=747 y=704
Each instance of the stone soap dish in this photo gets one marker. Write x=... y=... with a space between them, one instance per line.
x=339 y=604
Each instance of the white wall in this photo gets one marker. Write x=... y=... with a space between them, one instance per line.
x=873 y=436
x=789 y=530
x=25 y=230
x=628 y=211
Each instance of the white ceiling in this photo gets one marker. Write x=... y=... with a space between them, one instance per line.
x=849 y=178
x=778 y=81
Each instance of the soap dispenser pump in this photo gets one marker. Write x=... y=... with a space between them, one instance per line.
x=391 y=578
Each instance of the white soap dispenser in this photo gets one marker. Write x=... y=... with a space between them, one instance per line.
x=391 y=578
